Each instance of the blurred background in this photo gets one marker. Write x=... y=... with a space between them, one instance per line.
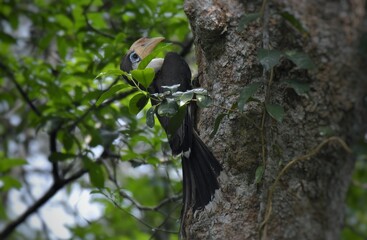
x=71 y=169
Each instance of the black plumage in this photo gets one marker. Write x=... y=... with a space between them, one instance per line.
x=200 y=168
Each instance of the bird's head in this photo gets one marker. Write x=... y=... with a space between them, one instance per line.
x=138 y=51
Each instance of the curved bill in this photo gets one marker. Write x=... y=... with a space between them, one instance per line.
x=144 y=46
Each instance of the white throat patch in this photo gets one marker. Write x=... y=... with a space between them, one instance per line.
x=156 y=64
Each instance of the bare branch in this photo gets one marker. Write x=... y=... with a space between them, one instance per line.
x=56 y=186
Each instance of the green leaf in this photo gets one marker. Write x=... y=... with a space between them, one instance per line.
x=217 y=122
x=8 y=163
x=119 y=38
x=95 y=170
x=137 y=103
x=326 y=131
x=302 y=60
x=201 y=91
x=158 y=49
x=150 y=117
x=259 y=173
x=9 y=182
x=64 y=21
x=203 y=101
x=96 y=176
x=246 y=93
x=96 y=191
x=112 y=72
x=96 y=137
x=293 y=21
x=107 y=137
x=129 y=156
x=143 y=76
x=67 y=140
x=97 y=20
x=114 y=89
x=57 y=156
x=153 y=160
x=62 y=46
x=172 y=88
x=269 y=58
x=167 y=108
x=176 y=120
x=246 y=19
x=300 y=88
x=6 y=38
x=186 y=97
x=275 y=111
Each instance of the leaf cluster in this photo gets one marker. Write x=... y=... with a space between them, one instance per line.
x=59 y=81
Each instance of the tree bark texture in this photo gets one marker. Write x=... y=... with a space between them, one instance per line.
x=307 y=201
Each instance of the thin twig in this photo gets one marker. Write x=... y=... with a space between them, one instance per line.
x=85 y=10
x=103 y=105
x=295 y=160
x=53 y=149
x=20 y=90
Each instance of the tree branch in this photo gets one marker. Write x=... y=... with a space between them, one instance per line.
x=56 y=186
x=186 y=47
x=105 y=104
x=20 y=90
x=85 y=10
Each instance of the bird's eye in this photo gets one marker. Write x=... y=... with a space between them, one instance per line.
x=134 y=57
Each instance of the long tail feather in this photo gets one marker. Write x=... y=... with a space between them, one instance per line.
x=200 y=172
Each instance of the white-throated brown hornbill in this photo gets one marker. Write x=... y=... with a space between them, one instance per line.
x=200 y=167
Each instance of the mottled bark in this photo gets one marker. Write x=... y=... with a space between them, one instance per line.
x=308 y=201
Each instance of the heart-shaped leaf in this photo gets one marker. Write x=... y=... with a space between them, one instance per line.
x=186 y=97
x=302 y=60
x=168 y=108
x=275 y=111
x=246 y=93
x=203 y=101
x=143 y=76
x=269 y=58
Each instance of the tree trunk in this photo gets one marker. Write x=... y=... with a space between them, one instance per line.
x=305 y=200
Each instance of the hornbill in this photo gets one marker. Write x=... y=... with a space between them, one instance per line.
x=200 y=167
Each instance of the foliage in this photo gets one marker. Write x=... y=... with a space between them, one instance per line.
x=61 y=86
x=356 y=220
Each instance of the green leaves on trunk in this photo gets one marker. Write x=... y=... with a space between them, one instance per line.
x=270 y=58
x=259 y=173
x=246 y=93
x=302 y=60
x=217 y=122
x=299 y=87
x=246 y=19
x=203 y=101
x=276 y=111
